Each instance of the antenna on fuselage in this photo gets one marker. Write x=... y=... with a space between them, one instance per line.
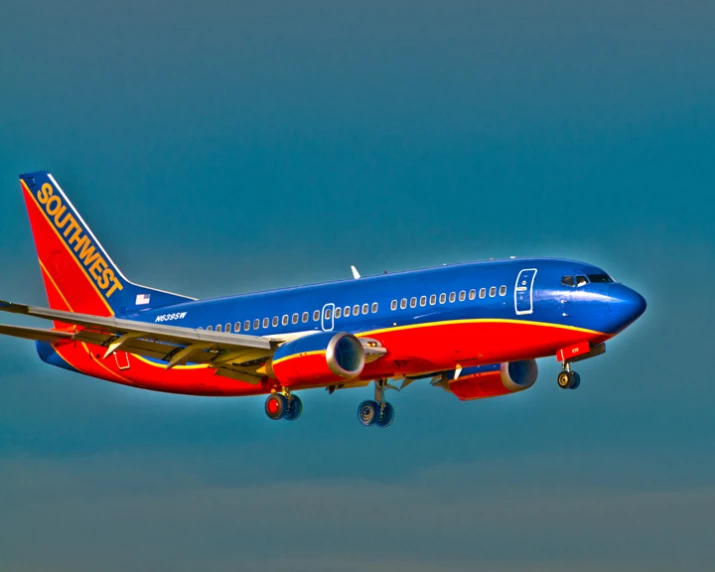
x=356 y=274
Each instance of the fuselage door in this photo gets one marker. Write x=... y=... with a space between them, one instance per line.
x=328 y=317
x=524 y=291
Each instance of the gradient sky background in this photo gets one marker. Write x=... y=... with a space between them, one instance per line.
x=225 y=147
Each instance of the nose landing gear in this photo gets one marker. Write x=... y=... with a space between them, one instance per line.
x=568 y=379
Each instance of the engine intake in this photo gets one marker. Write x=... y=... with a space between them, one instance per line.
x=319 y=358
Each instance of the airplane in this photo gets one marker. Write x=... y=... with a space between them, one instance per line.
x=474 y=329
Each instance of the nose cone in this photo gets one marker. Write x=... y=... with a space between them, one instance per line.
x=626 y=305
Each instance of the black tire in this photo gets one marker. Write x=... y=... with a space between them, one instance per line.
x=565 y=379
x=276 y=406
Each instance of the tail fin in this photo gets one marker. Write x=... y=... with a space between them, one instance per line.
x=79 y=275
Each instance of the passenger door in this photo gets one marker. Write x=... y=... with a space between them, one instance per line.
x=328 y=317
x=524 y=292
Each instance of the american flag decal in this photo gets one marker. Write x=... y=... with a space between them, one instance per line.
x=143 y=299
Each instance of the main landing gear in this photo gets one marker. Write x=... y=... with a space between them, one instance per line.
x=568 y=379
x=283 y=406
x=377 y=411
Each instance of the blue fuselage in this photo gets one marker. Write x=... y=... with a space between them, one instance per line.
x=531 y=290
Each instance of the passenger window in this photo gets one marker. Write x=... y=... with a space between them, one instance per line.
x=209 y=328
x=581 y=281
x=502 y=290
x=237 y=327
x=423 y=300
x=295 y=318
x=338 y=312
x=442 y=298
x=247 y=325
x=452 y=297
x=568 y=281
x=228 y=328
x=393 y=305
x=413 y=302
x=346 y=311
x=482 y=292
x=265 y=322
x=256 y=324
x=374 y=307
x=403 y=303
x=316 y=315
x=365 y=308
x=492 y=291
x=305 y=317
x=218 y=328
x=275 y=321
x=433 y=299
x=328 y=313
x=462 y=296
x=356 y=310
x=285 y=319
x=472 y=294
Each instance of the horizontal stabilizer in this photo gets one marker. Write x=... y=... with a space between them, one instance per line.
x=38 y=334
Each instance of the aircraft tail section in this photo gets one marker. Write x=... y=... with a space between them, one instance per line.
x=78 y=273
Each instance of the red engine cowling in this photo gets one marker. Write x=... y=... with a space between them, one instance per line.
x=492 y=380
x=324 y=357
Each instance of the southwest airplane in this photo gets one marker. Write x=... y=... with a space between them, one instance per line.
x=473 y=329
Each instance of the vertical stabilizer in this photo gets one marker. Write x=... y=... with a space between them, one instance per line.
x=79 y=275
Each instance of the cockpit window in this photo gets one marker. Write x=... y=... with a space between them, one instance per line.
x=600 y=278
x=568 y=281
x=581 y=280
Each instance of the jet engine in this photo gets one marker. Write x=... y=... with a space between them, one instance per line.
x=319 y=358
x=491 y=380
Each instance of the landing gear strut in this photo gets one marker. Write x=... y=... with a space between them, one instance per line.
x=568 y=379
x=377 y=411
x=283 y=406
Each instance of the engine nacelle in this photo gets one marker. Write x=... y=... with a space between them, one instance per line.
x=492 y=380
x=324 y=357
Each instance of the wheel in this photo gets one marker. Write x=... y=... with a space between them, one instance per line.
x=386 y=416
x=565 y=379
x=576 y=381
x=276 y=406
x=368 y=412
x=294 y=410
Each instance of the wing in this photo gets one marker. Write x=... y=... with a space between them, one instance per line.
x=236 y=356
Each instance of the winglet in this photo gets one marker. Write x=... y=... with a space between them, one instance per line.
x=356 y=274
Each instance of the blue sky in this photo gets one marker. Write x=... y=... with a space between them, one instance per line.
x=225 y=147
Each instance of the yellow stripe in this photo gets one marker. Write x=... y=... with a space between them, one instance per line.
x=72 y=254
x=84 y=345
x=42 y=267
x=100 y=364
x=445 y=323
x=477 y=321
x=300 y=354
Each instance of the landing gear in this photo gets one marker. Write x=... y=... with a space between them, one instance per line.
x=568 y=379
x=283 y=406
x=377 y=411
x=295 y=409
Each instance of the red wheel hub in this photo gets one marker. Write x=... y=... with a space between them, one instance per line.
x=273 y=406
